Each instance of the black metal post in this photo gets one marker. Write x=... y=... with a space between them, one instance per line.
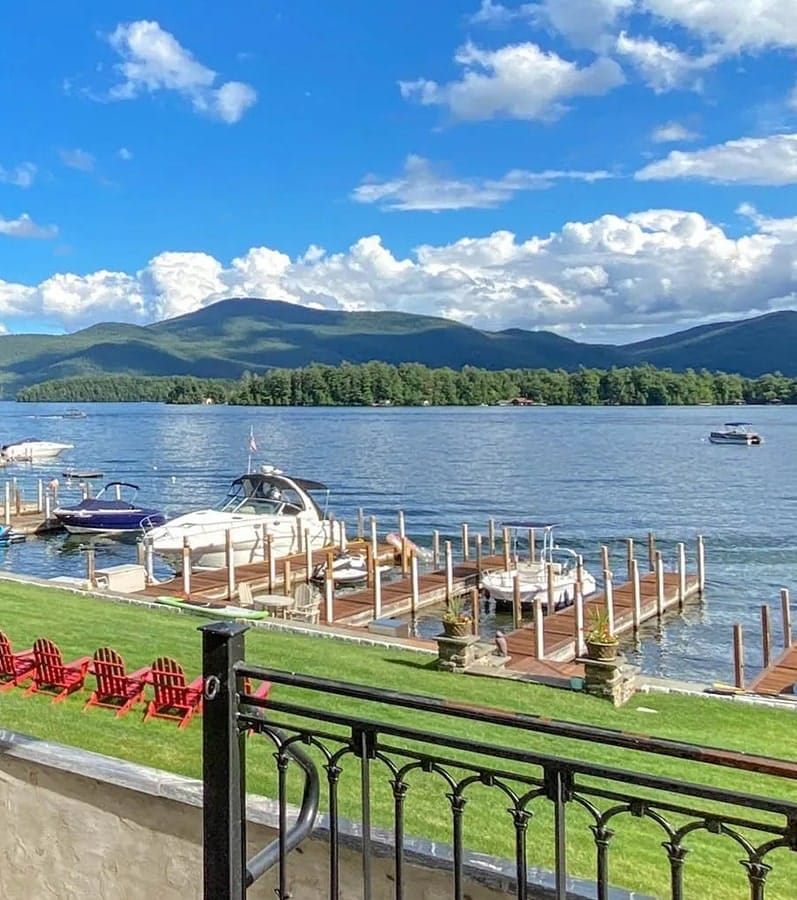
x=224 y=833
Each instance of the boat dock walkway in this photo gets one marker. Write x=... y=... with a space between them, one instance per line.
x=780 y=677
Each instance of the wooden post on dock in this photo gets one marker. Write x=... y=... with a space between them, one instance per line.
x=308 y=556
x=264 y=540
x=604 y=557
x=272 y=563
x=401 y=526
x=229 y=558
x=90 y=566
x=17 y=497
x=636 y=597
x=360 y=524
x=651 y=552
x=507 y=560
x=435 y=550
x=491 y=536
x=785 y=611
x=405 y=555
x=608 y=596
x=629 y=556
x=329 y=596
x=532 y=545
x=539 y=626
x=330 y=562
x=377 y=592
x=140 y=553
x=738 y=656
x=659 y=584
x=7 y=506
x=186 y=566
x=517 y=611
x=48 y=509
x=465 y=542
x=149 y=562
x=766 y=635
x=578 y=601
x=40 y=496
x=415 y=588
x=478 y=559
x=298 y=532
x=681 y=575
x=449 y=573
x=374 y=541
x=287 y=582
x=370 y=564
x=474 y=610
x=701 y=564
x=551 y=588
x=344 y=543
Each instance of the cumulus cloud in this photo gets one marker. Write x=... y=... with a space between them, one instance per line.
x=24 y=227
x=420 y=187
x=519 y=81
x=153 y=60
x=663 y=66
x=125 y=154
x=78 y=159
x=672 y=133
x=21 y=175
x=756 y=161
x=491 y=13
x=585 y=23
x=655 y=269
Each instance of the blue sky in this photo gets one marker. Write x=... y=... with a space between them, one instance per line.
x=609 y=169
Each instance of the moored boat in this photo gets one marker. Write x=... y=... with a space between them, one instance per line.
x=736 y=433
x=112 y=511
x=347 y=569
x=33 y=450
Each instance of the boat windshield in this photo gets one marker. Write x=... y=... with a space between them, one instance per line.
x=263 y=496
x=739 y=426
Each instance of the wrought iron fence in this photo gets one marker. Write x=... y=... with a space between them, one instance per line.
x=322 y=743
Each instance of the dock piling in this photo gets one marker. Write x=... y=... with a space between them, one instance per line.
x=491 y=536
x=465 y=542
x=449 y=573
x=308 y=556
x=329 y=596
x=604 y=557
x=435 y=549
x=766 y=635
x=478 y=559
x=681 y=575
x=629 y=556
x=659 y=568
x=551 y=588
x=401 y=525
x=608 y=595
x=287 y=583
x=785 y=611
x=374 y=540
x=377 y=592
x=532 y=545
x=272 y=563
x=149 y=562
x=505 y=545
x=229 y=559
x=186 y=566
x=140 y=553
x=651 y=552
x=370 y=564
x=344 y=543
x=90 y=566
x=296 y=535
x=701 y=564
x=539 y=625
x=405 y=555
x=517 y=611
x=415 y=588
x=40 y=496
x=7 y=505
x=738 y=657
x=578 y=601
x=636 y=595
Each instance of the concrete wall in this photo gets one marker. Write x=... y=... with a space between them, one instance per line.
x=80 y=825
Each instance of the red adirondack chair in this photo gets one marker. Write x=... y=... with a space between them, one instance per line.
x=116 y=689
x=52 y=675
x=14 y=667
x=174 y=697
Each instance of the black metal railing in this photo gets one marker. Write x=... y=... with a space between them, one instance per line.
x=315 y=734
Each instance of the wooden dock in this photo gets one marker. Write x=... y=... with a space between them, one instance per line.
x=779 y=674
x=780 y=677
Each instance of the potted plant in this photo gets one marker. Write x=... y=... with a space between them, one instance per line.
x=456 y=622
x=601 y=643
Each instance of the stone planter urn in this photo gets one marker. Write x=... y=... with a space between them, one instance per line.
x=602 y=650
x=459 y=628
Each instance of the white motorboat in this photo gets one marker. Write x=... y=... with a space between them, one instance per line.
x=735 y=433
x=33 y=450
x=347 y=569
x=532 y=573
x=258 y=506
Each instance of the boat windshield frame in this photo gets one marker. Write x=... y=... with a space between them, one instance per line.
x=250 y=494
x=739 y=427
x=548 y=545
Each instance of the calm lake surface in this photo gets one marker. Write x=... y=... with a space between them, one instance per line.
x=605 y=473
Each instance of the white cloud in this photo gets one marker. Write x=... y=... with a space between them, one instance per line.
x=420 y=187
x=124 y=153
x=585 y=23
x=761 y=161
x=672 y=133
x=519 y=81
x=491 y=13
x=78 y=159
x=24 y=227
x=732 y=25
x=153 y=60
x=20 y=176
x=655 y=270
x=663 y=66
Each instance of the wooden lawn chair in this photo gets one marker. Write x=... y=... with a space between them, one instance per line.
x=245 y=596
x=14 y=667
x=116 y=689
x=52 y=675
x=174 y=697
x=307 y=604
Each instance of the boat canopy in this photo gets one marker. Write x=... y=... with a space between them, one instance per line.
x=530 y=524
x=738 y=424
x=258 y=478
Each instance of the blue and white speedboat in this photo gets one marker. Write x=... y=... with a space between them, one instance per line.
x=112 y=511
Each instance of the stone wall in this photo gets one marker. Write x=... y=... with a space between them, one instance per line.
x=79 y=825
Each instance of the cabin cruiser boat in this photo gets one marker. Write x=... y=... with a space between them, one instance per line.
x=113 y=510
x=258 y=505
x=735 y=433
x=33 y=450
x=533 y=572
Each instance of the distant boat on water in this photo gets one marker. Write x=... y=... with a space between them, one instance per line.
x=735 y=433
x=74 y=414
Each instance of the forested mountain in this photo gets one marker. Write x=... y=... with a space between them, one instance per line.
x=231 y=337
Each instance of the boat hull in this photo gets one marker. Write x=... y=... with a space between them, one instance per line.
x=98 y=522
x=717 y=437
x=500 y=588
x=34 y=451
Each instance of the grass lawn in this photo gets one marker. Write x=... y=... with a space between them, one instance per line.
x=637 y=861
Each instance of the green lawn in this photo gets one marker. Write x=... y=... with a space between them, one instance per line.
x=637 y=861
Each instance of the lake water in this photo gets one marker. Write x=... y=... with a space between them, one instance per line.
x=605 y=473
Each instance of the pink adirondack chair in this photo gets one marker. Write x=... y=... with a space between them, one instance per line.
x=52 y=675
x=14 y=667
x=115 y=688
x=174 y=697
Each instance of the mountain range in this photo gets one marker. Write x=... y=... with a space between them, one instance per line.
x=227 y=338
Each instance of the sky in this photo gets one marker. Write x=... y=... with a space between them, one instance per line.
x=606 y=169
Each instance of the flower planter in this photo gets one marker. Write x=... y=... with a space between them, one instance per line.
x=459 y=629
x=602 y=650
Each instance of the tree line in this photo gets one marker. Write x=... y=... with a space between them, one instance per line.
x=413 y=384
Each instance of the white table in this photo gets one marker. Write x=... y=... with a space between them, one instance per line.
x=278 y=604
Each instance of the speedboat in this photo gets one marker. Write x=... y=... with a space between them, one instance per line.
x=533 y=572
x=735 y=433
x=74 y=414
x=113 y=510
x=347 y=569
x=258 y=505
x=33 y=450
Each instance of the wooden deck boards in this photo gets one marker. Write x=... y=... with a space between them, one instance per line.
x=780 y=677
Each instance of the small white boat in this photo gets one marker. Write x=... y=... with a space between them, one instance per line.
x=735 y=433
x=33 y=450
x=347 y=569
x=533 y=573
x=258 y=505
